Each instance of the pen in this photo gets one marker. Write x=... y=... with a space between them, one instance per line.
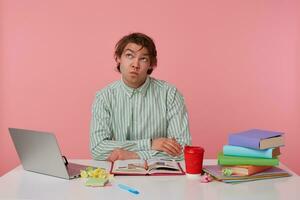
x=129 y=189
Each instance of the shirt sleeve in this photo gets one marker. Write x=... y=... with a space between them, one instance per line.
x=145 y=155
x=102 y=142
x=178 y=126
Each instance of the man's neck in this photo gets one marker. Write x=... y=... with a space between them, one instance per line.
x=133 y=86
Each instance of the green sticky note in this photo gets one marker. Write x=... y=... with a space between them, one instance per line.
x=227 y=172
x=96 y=182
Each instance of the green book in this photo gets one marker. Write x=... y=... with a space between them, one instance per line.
x=237 y=160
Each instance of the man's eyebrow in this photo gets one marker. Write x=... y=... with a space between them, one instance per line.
x=128 y=49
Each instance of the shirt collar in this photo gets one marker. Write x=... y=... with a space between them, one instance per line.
x=142 y=89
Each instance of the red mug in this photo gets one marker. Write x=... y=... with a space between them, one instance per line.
x=193 y=156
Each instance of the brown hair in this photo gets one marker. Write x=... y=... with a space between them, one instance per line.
x=139 y=39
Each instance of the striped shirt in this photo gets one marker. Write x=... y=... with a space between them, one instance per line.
x=127 y=118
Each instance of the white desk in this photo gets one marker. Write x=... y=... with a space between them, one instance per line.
x=21 y=184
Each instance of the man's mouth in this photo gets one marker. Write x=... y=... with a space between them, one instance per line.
x=134 y=73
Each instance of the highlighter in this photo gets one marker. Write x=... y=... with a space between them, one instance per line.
x=129 y=189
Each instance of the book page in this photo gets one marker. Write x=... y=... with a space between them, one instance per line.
x=134 y=165
x=162 y=165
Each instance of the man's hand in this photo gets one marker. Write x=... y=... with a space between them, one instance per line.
x=168 y=145
x=121 y=154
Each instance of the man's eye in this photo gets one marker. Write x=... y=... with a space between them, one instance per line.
x=145 y=59
x=128 y=55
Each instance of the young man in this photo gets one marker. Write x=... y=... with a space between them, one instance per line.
x=138 y=117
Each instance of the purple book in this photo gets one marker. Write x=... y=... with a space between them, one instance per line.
x=216 y=171
x=256 y=139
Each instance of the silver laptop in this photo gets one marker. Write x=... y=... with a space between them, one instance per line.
x=39 y=152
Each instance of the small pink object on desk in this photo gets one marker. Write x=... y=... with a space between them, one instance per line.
x=206 y=178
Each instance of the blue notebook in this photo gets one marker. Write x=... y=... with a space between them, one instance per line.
x=230 y=150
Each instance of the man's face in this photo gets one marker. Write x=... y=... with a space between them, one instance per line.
x=134 y=64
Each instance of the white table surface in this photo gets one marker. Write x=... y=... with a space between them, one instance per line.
x=21 y=184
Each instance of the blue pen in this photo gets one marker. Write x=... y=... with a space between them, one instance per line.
x=129 y=189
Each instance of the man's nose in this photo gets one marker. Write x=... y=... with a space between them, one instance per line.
x=135 y=64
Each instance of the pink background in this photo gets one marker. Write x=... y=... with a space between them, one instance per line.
x=236 y=62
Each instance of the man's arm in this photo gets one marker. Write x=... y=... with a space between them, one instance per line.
x=102 y=142
x=178 y=128
x=167 y=145
x=121 y=154
x=178 y=125
x=178 y=134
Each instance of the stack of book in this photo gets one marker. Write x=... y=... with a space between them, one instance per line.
x=249 y=155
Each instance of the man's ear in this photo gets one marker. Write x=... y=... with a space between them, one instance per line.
x=149 y=71
x=118 y=59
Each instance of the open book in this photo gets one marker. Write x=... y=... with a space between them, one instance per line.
x=153 y=166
